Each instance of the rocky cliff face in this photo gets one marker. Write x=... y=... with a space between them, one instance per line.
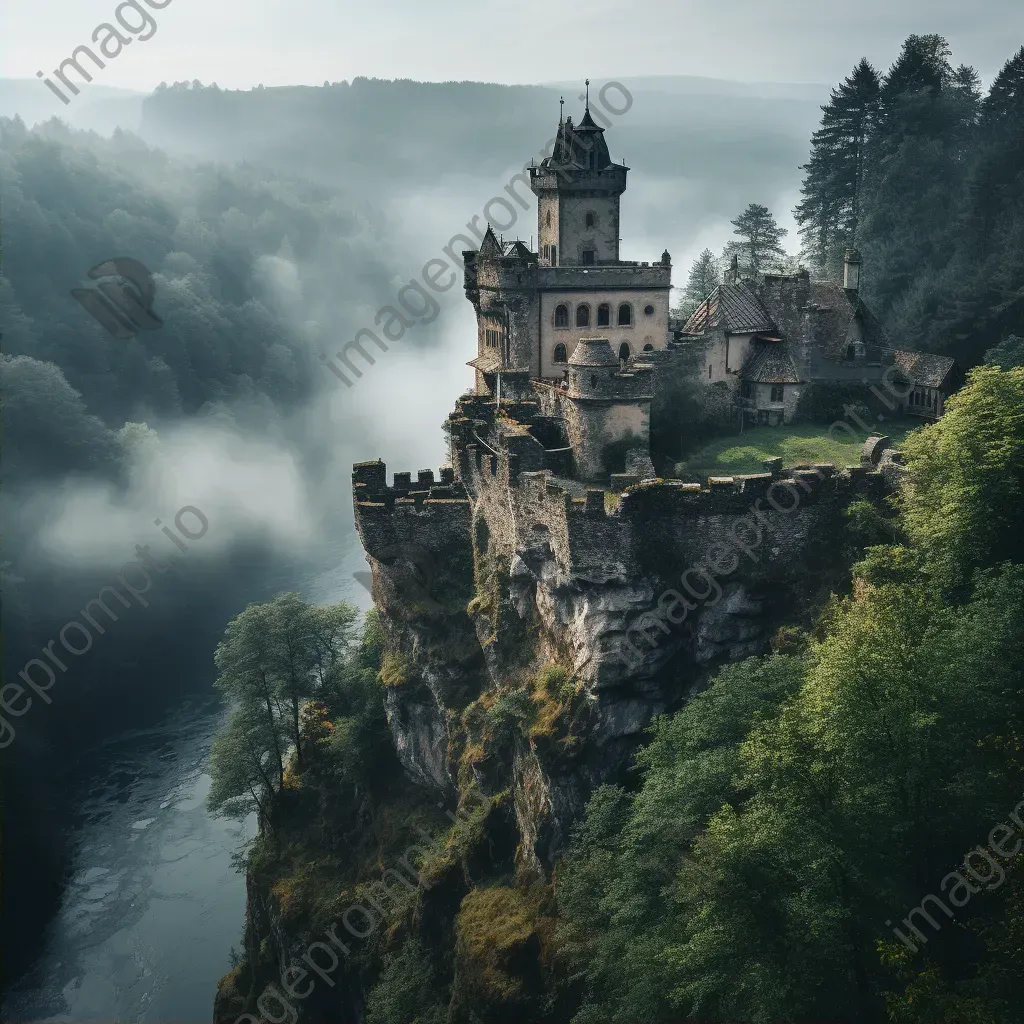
x=536 y=627
x=532 y=629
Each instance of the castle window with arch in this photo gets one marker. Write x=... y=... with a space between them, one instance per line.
x=561 y=316
x=591 y=219
x=583 y=315
x=625 y=315
x=560 y=356
x=623 y=352
x=604 y=315
x=648 y=347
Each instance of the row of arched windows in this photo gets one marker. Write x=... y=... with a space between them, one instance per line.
x=604 y=315
x=624 y=352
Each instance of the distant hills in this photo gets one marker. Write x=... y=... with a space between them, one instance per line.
x=701 y=148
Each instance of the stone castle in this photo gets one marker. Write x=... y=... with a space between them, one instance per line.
x=585 y=334
x=550 y=540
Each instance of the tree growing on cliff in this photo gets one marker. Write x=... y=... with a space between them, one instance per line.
x=306 y=642
x=759 y=248
x=274 y=657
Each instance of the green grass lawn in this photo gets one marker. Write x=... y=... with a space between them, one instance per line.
x=796 y=444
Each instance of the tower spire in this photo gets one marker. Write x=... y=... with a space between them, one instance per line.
x=561 y=110
x=588 y=94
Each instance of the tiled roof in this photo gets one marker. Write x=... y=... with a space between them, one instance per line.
x=770 y=363
x=487 y=363
x=923 y=368
x=732 y=306
x=836 y=309
x=517 y=249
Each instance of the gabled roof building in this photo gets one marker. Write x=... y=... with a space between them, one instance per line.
x=772 y=338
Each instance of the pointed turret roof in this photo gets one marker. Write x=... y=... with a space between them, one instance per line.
x=489 y=246
x=593 y=352
x=574 y=143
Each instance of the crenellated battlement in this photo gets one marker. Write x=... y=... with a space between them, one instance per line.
x=369 y=484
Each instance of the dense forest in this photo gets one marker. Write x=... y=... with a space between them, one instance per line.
x=924 y=173
x=827 y=832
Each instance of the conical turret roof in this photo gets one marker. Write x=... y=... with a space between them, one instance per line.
x=593 y=352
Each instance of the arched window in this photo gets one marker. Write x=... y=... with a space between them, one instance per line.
x=560 y=356
x=623 y=352
x=561 y=316
x=583 y=315
x=590 y=220
x=625 y=314
x=648 y=348
x=604 y=315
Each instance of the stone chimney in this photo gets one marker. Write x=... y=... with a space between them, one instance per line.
x=732 y=275
x=851 y=270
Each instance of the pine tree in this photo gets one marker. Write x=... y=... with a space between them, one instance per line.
x=922 y=66
x=1004 y=105
x=829 y=212
x=703 y=280
x=914 y=188
x=759 y=249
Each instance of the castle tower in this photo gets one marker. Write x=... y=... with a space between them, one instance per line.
x=607 y=409
x=578 y=189
x=531 y=307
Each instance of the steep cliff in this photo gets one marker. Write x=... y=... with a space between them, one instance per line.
x=590 y=611
x=531 y=630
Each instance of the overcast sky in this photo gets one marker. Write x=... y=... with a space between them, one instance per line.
x=241 y=44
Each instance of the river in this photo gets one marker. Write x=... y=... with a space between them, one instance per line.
x=153 y=902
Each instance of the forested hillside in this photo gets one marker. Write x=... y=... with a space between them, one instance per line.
x=831 y=831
